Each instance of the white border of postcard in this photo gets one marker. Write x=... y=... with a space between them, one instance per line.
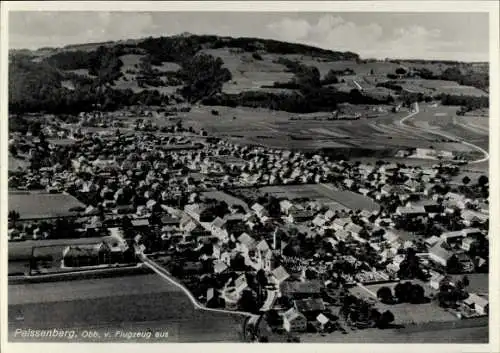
x=492 y=7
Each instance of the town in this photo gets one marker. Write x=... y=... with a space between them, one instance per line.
x=307 y=243
x=284 y=177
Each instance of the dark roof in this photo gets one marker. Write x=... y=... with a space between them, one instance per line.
x=170 y=220
x=140 y=222
x=307 y=287
x=308 y=305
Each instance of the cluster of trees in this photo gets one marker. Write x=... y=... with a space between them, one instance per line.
x=104 y=62
x=404 y=292
x=449 y=293
x=204 y=76
x=363 y=314
x=410 y=267
x=180 y=48
x=468 y=78
x=36 y=87
x=469 y=102
x=316 y=99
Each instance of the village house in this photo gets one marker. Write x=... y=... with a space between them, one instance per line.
x=199 y=212
x=280 y=275
x=411 y=212
x=299 y=216
x=470 y=217
x=245 y=243
x=310 y=307
x=259 y=210
x=355 y=231
x=285 y=206
x=240 y=284
x=294 y=321
x=340 y=223
x=301 y=290
x=477 y=303
x=85 y=255
x=439 y=254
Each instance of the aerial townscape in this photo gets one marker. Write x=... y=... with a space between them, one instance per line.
x=245 y=189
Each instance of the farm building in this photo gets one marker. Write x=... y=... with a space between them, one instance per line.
x=86 y=255
x=477 y=303
x=294 y=321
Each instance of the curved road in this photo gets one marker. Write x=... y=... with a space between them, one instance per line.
x=483 y=151
x=197 y=305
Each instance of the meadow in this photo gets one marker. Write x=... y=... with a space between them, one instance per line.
x=42 y=205
x=138 y=302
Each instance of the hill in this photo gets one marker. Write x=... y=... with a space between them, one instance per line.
x=215 y=70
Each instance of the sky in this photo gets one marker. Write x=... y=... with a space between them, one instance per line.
x=445 y=36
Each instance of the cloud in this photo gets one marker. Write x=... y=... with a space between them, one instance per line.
x=371 y=39
x=376 y=35
x=35 y=29
x=330 y=31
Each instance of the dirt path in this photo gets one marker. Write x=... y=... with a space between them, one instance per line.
x=477 y=148
x=165 y=275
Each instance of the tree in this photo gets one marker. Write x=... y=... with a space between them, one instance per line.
x=14 y=216
x=13 y=150
x=384 y=294
x=256 y=56
x=402 y=291
x=466 y=180
x=482 y=180
x=262 y=278
x=410 y=266
x=238 y=263
x=465 y=281
x=400 y=71
x=248 y=301
x=417 y=294
x=385 y=319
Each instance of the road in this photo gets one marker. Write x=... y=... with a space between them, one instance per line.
x=454 y=138
x=166 y=276
x=357 y=85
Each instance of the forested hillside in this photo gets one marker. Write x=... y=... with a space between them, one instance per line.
x=113 y=75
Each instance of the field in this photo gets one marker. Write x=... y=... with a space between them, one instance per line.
x=129 y=80
x=20 y=252
x=446 y=334
x=17 y=163
x=222 y=196
x=139 y=302
x=323 y=193
x=478 y=282
x=42 y=205
x=248 y=73
x=61 y=141
x=443 y=119
x=385 y=132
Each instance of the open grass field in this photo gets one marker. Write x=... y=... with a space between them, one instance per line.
x=167 y=66
x=61 y=141
x=222 y=196
x=42 y=205
x=445 y=334
x=323 y=193
x=17 y=163
x=478 y=282
x=433 y=87
x=248 y=73
x=445 y=120
x=278 y=129
x=406 y=313
x=21 y=252
x=139 y=302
